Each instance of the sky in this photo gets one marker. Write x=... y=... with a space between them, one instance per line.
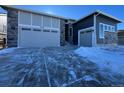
x=78 y=11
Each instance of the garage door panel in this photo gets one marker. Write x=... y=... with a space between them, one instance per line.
x=38 y=39
x=86 y=39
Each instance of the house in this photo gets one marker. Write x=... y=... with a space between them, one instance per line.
x=27 y=28
x=3 y=25
x=95 y=29
x=121 y=37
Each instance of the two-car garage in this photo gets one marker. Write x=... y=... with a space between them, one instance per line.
x=38 y=30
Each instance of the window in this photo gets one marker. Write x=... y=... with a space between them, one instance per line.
x=36 y=29
x=105 y=27
x=26 y=29
x=101 y=31
x=46 y=30
x=25 y=18
x=47 y=21
x=109 y=28
x=113 y=29
x=36 y=20
x=55 y=23
x=54 y=31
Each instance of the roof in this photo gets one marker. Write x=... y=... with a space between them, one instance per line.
x=36 y=12
x=102 y=13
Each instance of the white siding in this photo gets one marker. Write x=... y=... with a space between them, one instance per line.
x=47 y=21
x=25 y=18
x=36 y=20
x=55 y=23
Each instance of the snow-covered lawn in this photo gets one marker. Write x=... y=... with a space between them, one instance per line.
x=105 y=57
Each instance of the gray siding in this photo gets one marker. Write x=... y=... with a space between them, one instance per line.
x=85 y=23
x=109 y=21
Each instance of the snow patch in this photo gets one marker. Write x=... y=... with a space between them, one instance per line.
x=73 y=74
x=104 y=58
x=7 y=50
x=88 y=78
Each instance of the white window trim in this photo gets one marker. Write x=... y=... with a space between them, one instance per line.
x=111 y=30
x=100 y=31
x=109 y=26
x=58 y=21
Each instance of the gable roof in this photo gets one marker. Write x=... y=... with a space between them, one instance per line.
x=102 y=13
x=36 y=12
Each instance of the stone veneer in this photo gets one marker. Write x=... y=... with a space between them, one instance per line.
x=110 y=38
x=12 y=28
x=62 y=32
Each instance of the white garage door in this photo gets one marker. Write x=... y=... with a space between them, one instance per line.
x=86 y=39
x=38 y=31
x=38 y=39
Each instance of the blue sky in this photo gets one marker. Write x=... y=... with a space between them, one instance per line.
x=76 y=11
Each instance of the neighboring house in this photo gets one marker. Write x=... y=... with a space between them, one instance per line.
x=121 y=37
x=94 y=29
x=3 y=25
x=26 y=28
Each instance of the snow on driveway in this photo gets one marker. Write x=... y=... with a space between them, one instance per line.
x=107 y=57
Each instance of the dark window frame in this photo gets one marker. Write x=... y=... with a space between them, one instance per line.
x=46 y=30
x=54 y=31
x=24 y=28
x=36 y=29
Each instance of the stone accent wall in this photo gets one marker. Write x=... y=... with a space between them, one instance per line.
x=62 y=32
x=12 y=28
x=111 y=38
